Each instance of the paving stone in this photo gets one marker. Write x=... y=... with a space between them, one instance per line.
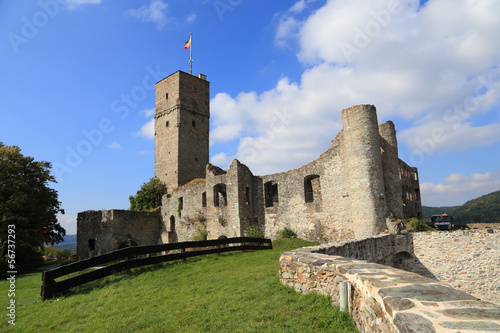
x=426 y=292
x=407 y=322
x=393 y=304
x=472 y=313
x=478 y=326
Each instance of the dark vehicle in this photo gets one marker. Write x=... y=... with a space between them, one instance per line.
x=441 y=221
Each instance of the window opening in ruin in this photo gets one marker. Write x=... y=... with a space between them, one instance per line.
x=91 y=244
x=193 y=123
x=247 y=195
x=172 y=223
x=204 y=199
x=417 y=194
x=271 y=194
x=312 y=188
x=220 y=195
x=167 y=123
x=416 y=176
x=166 y=96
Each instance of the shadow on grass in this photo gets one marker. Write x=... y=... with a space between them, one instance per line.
x=118 y=277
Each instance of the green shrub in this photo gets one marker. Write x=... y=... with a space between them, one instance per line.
x=201 y=235
x=419 y=225
x=287 y=233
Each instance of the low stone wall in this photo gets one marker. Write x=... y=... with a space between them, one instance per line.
x=468 y=260
x=383 y=298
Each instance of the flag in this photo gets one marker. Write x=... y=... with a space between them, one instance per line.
x=187 y=44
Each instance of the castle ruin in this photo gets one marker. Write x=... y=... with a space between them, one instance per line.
x=348 y=192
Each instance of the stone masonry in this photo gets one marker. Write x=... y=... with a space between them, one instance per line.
x=384 y=298
x=467 y=260
x=348 y=192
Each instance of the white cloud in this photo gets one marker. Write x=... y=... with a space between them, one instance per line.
x=155 y=12
x=191 y=18
x=68 y=222
x=148 y=112
x=115 y=145
x=435 y=70
x=221 y=159
x=457 y=188
x=147 y=130
x=73 y=4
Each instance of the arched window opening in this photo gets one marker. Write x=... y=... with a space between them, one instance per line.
x=271 y=194
x=312 y=188
x=247 y=195
x=204 y=199
x=220 y=195
x=172 y=223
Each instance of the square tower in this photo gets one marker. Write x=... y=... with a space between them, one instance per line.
x=182 y=119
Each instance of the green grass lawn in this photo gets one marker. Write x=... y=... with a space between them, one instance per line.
x=236 y=292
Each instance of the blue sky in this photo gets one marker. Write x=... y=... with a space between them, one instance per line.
x=77 y=86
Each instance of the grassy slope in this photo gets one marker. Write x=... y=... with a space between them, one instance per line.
x=238 y=292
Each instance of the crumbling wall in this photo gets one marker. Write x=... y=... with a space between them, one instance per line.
x=382 y=298
x=99 y=232
x=468 y=260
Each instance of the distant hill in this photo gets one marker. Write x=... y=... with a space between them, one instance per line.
x=68 y=243
x=485 y=209
x=427 y=212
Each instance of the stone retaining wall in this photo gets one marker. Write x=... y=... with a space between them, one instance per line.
x=468 y=260
x=387 y=299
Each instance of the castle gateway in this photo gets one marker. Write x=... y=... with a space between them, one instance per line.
x=348 y=192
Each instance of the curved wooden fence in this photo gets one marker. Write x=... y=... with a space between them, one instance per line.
x=127 y=260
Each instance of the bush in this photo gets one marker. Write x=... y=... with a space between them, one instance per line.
x=287 y=233
x=201 y=235
x=251 y=229
x=419 y=225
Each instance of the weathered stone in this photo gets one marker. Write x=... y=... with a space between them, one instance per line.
x=468 y=313
x=428 y=292
x=478 y=326
x=412 y=323
x=393 y=304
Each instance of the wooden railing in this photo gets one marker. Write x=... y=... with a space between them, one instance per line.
x=127 y=259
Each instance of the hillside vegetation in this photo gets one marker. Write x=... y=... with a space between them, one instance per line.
x=485 y=209
x=236 y=292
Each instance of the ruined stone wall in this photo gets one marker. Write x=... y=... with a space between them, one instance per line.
x=312 y=200
x=412 y=205
x=184 y=221
x=109 y=229
x=468 y=260
x=346 y=193
x=382 y=298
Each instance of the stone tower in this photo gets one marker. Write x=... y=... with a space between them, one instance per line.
x=365 y=170
x=182 y=114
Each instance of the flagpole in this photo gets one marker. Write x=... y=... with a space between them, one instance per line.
x=191 y=54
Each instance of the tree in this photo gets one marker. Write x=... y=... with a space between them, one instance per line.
x=149 y=196
x=27 y=205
